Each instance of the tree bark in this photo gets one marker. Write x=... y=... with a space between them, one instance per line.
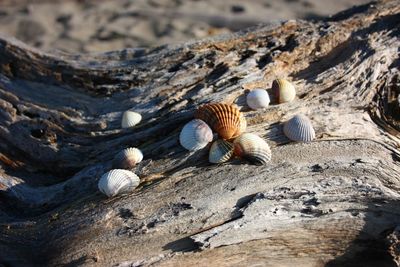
x=332 y=202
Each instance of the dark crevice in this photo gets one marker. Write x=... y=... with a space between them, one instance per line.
x=217 y=72
x=264 y=60
x=186 y=244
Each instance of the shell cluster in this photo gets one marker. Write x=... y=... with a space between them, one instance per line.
x=224 y=119
x=130 y=118
x=299 y=129
x=230 y=125
x=118 y=181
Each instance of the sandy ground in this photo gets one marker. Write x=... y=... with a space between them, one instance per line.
x=92 y=26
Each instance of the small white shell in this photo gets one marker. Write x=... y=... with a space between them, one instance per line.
x=127 y=158
x=253 y=148
x=299 y=129
x=195 y=135
x=258 y=99
x=220 y=151
x=130 y=119
x=118 y=181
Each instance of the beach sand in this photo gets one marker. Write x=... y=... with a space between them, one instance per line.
x=94 y=26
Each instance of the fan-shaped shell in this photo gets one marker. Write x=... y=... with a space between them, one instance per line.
x=253 y=148
x=118 y=181
x=258 y=99
x=299 y=129
x=130 y=119
x=225 y=119
x=283 y=90
x=220 y=151
x=195 y=135
x=127 y=158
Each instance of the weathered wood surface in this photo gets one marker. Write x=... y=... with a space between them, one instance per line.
x=331 y=202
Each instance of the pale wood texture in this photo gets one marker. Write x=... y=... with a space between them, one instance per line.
x=331 y=202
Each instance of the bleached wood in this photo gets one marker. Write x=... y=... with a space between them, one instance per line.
x=334 y=201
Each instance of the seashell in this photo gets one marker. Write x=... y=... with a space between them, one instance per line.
x=220 y=151
x=195 y=135
x=118 y=181
x=127 y=158
x=283 y=90
x=130 y=119
x=253 y=148
x=299 y=129
x=225 y=119
x=258 y=99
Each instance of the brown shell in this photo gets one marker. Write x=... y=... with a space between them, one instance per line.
x=284 y=91
x=226 y=120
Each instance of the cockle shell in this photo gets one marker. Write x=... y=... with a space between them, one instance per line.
x=299 y=129
x=226 y=120
x=127 y=158
x=220 y=151
x=253 y=148
x=130 y=119
x=195 y=135
x=118 y=181
x=283 y=90
x=258 y=99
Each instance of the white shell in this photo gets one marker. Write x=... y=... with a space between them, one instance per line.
x=127 y=158
x=118 y=181
x=130 y=119
x=299 y=129
x=253 y=148
x=195 y=135
x=220 y=151
x=258 y=99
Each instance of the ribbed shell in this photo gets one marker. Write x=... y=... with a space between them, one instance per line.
x=130 y=119
x=258 y=99
x=299 y=129
x=220 y=151
x=225 y=119
x=283 y=90
x=118 y=181
x=253 y=148
x=127 y=158
x=195 y=135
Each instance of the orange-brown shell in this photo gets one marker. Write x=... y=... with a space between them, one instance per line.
x=226 y=120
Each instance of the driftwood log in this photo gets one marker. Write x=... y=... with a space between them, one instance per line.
x=332 y=202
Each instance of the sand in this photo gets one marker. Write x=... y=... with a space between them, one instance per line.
x=94 y=26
